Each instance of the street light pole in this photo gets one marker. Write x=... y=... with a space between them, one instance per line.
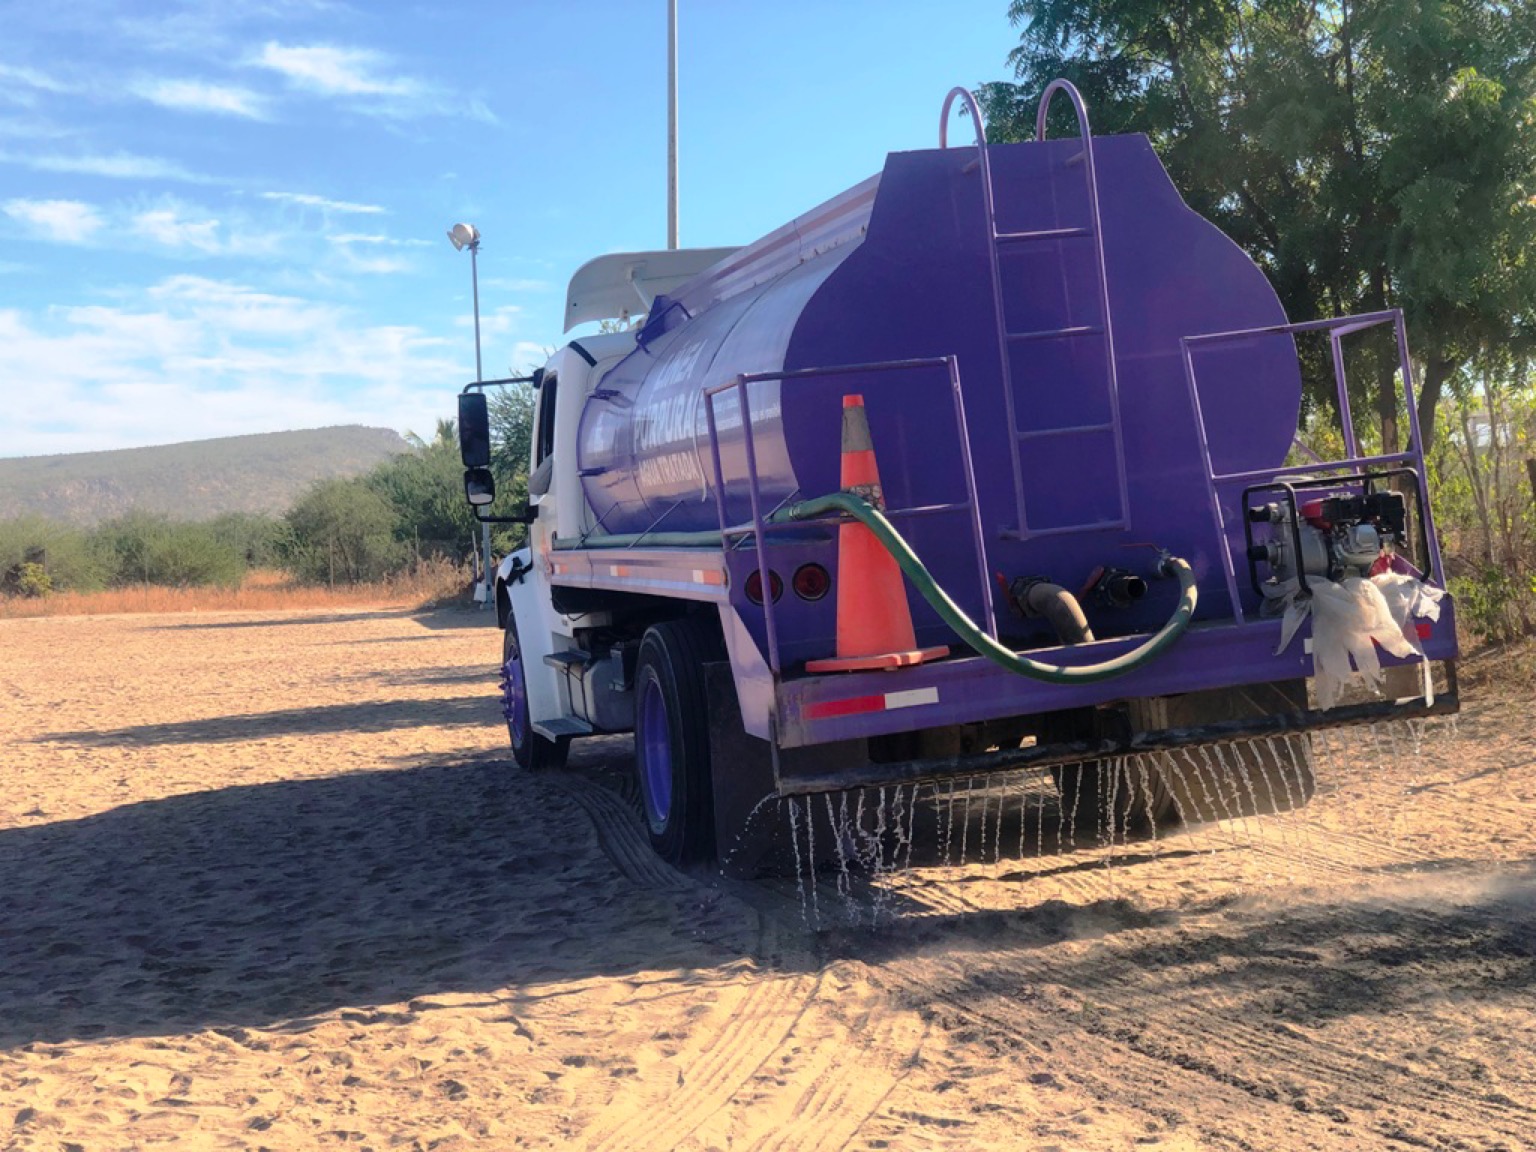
x=671 y=124
x=468 y=236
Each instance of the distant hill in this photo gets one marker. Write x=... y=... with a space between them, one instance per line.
x=192 y=481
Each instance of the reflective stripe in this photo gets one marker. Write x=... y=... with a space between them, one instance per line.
x=881 y=702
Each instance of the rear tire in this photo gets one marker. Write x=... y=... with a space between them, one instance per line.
x=672 y=757
x=532 y=752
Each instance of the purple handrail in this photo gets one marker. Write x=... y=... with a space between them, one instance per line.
x=1336 y=330
x=995 y=268
x=1096 y=223
x=1005 y=339
x=760 y=525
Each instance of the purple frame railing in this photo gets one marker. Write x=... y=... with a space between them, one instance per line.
x=761 y=526
x=1336 y=329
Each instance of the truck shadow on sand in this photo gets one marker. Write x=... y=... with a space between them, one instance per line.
x=478 y=710
x=267 y=904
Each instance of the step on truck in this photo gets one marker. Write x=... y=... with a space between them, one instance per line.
x=988 y=464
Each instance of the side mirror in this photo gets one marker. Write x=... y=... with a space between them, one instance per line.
x=474 y=433
x=479 y=486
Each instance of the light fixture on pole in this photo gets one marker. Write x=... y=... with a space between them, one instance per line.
x=468 y=236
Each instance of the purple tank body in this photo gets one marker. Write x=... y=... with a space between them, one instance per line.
x=918 y=285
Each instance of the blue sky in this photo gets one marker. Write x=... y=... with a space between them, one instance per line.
x=230 y=217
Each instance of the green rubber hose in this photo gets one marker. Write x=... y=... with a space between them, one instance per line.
x=866 y=513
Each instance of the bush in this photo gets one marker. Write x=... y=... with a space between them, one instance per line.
x=63 y=553
x=145 y=549
x=28 y=579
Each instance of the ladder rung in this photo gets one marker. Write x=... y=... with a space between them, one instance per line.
x=1057 y=333
x=1041 y=234
x=1038 y=433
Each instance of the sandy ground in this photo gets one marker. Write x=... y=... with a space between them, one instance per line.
x=269 y=881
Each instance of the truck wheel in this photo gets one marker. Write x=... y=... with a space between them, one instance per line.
x=672 y=739
x=533 y=752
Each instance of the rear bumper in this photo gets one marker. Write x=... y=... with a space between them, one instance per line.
x=797 y=777
x=824 y=709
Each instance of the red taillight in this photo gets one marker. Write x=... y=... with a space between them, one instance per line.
x=755 y=586
x=811 y=582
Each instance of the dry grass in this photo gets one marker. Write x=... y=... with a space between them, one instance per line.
x=261 y=590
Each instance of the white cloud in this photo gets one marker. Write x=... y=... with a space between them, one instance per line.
x=195 y=357
x=495 y=322
x=333 y=71
x=66 y=221
x=196 y=96
x=364 y=79
x=171 y=228
x=309 y=200
x=526 y=356
x=373 y=265
x=19 y=84
x=372 y=238
x=119 y=165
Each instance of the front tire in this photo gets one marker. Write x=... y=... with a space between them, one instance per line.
x=672 y=739
x=532 y=752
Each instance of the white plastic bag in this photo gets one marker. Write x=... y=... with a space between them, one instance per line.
x=1350 y=618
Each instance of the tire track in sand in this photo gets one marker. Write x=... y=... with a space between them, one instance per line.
x=1299 y=1080
x=823 y=1096
x=621 y=837
x=742 y=1032
x=846 y=1081
x=756 y=1025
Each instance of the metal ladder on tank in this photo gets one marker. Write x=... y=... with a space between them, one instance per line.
x=999 y=243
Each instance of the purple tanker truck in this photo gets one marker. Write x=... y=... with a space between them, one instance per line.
x=1082 y=400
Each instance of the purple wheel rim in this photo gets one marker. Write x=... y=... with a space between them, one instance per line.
x=514 y=698
x=655 y=750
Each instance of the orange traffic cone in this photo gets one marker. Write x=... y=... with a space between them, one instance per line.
x=874 y=624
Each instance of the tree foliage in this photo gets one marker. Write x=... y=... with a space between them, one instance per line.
x=511 y=410
x=343 y=531
x=1367 y=154
x=142 y=548
x=425 y=488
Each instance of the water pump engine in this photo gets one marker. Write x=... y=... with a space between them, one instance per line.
x=1330 y=537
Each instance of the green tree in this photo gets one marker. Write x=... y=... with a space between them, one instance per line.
x=1367 y=154
x=258 y=539
x=425 y=487
x=342 y=531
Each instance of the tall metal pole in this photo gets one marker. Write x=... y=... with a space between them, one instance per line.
x=485 y=528
x=671 y=124
x=474 y=279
